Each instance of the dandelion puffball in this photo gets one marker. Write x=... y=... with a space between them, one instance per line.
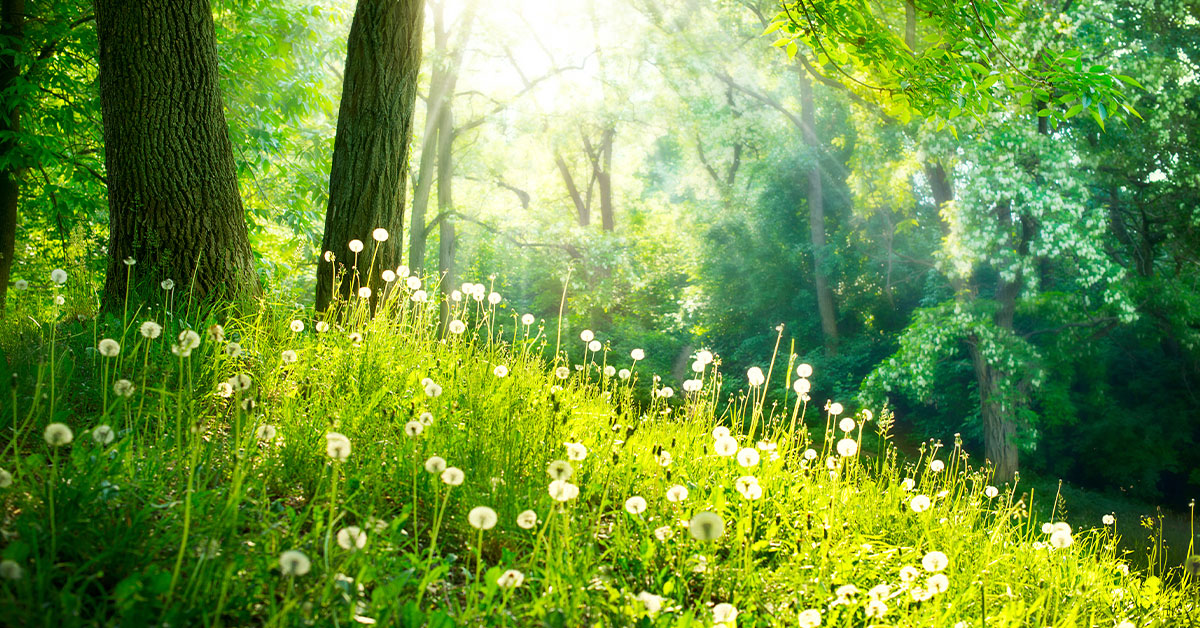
x=677 y=493
x=1108 y=520
x=991 y=492
x=482 y=518
x=937 y=583
x=356 y=246
x=123 y=388
x=527 y=320
x=494 y=298
x=294 y=563
x=847 y=424
x=562 y=372
x=720 y=432
x=288 y=356
x=352 y=538
x=637 y=355
x=413 y=282
x=724 y=613
x=413 y=429
x=457 y=327
x=935 y=561
x=704 y=357
x=810 y=618
x=635 y=505
x=388 y=275
x=58 y=276
x=920 y=503
x=747 y=457
x=364 y=292
x=847 y=447
x=337 y=446
x=801 y=386
x=296 y=326
x=322 y=326
x=755 y=376
x=58 y=434
x=610 y=370
x=560 y=470
x=500 y=371
x=653 y=603
x=804 y=371
x=109 y=348
x=527 y=519
x=453 y=476
x=663 y=533
x=725 y=446
x=594 y=346
x=835 y=408
x=435 y=464
x=6 y=478
x=562 y=490
x=10 y=570
x=586 y=335
x=379 y=235
x=623 y=373
x=103 y=434
x=1061 y=539
x=150 y=330
x=937 y=466
x=510 y=579
x=265 y=432
x=706 y=526
x=21 y=284
x=576 y=451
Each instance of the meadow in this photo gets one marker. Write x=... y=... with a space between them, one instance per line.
x=257 y=464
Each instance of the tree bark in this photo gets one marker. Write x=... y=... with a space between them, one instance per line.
x=173 y=199
x=816 y=217
x=447 y=242
x=12 y=25
x=370 y=152
x=582 y=212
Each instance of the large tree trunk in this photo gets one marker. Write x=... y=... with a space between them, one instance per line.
x=173 y=200
x=999 y=428
x=816 y=217
x=12 y=21
x=370 y=152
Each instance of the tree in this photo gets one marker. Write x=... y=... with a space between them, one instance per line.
x=12 y=22
x=173 y=199
x=370 y=153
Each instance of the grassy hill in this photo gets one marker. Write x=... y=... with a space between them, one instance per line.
x=271 y=468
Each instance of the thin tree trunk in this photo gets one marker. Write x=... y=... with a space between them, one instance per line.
x=12 y=23
x=604 y=179
x=429 y=142
x=173 y=199
x=582 y=213
x=816 y=217
x=370 y=153
x=447 y=244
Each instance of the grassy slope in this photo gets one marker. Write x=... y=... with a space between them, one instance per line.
x=112 y=532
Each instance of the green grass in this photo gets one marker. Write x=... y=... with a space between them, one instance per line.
x=183 y=517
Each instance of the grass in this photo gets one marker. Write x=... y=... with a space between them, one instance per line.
x=224 y=496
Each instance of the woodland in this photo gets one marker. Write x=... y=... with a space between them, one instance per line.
x=600 y=312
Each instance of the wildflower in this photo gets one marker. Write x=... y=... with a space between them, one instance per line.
x=420 y=296
x=355 y=337
x=748 y=486
x=527 y=519
x=677 y=493
x=189 y=339
x=724 y=613
x=920 y=594
x=58 y=276
x=413 y=282
x=801 y=386
x=847 y=424
x=500 y=371
x=846 y=591
x=623 y=373
x=920 y=503
x=352 y=538
x=527 y=320
x=225 y=389
x=610 y=370
x=908 y=484
x=123 y=388
x=58 y=434
x=457 y=327
x=413 y=429
x=482 y=518
x=402 y=271
x=586 y=335
x=560 y=470
x=233 y=350
x=935 y=561
x=908 y=573
x=725 y=446
x=265 y=432
x=1061 y=526
x=380 y=235
x=937 y=583
x=129 y=261
x=426 y=418
x=595 y=346
x=329 y=256
x=1061 y=539
x=103 y=434
x=296 y=326
x=880 y=591
x=21 y=284
x=364 y=292
x=432 y=389
x=637 y=354
x=663 y=458
x=576 y=451
x=562 y=372
x=288 y=356
x=835 y=408
x=356 y=246
x=240 y=381
x=494 y=298
x=635 y=505
x=706 y=526
x=562 y=490
x=388 y=275
x=150 y=330
x=337 y=446
x=453 y=476
x=810 y=618
x=847 y=447
x=755 y=376
x=876 y=609
x=697 y=367
x=1108 y=520
x=10 y=570
x=991 y=492
x=6 y=479
x=653 y=603
x=693 y=385
x=435 y=464
x=937 y=466
x=666 y=392
x=747 y=457
x=720 y=432
x=663 y=533
x=704 y=356
x=322 y=327
x=109 y=348
x=510 y=579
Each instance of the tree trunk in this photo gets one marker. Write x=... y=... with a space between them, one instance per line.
x=370 y=152
x=173 y=199
x=582 y=212
x=999 y=428
x=816 y=217
x=447 y=244
x=12 y=23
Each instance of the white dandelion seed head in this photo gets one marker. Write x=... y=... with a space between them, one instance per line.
x=527 y=320
x=576 y=451
x=755 y=376
x=586 y=335
x=58 y=276
x=991 y=492
x=908 y=573
x=637 y=355
x=494 y=298
x=21 y=285
x=456 y=296
x=560 y=470
x=240 y=381
x=527 y=519
x=420 y=296
x=482 y=518
x=810 y=454
x=233 y=350
x=1108 y=520
x=426 y=418
x=835 y=408
x=635 y=505
x=677 y=493
x=500 y=371
x=433 y=390
x=847 y=447
x=804 y=371
x=725 y=446
x=413 y=282
x=666 y=392
x=129 y=261
x=352 y=538
x=10 y=570
x=109 y=348
x=225 y=389
x=1061 y=526
x=402 y=271
x=265 y=433
x=747 y=457
x=704 y=357
x=364 y=292
x=413 y=429
x=510 y=579
x=937 y=466
x=664 y=533
x=623 y=373
x=453 y=476
x=847 y=424
x=563 y=490
x=919 y=504
x=296 y=326
x=748 y=487
x=697 y=366
x=937 y=583
x=322 y=327
x=457 y=327
x=103 y=434
x=935 y=561
x=356 y=246
x=58 y=434
x=388 y=276
x=562 y=372
x=435 y=464
x=1061 y=539
x=609 y=370
x=337 y=446
x=594 y=346
x=876 y=609
x=693 y=385
x=880 y=591
x=167 y=284
x=329 y=256
x=379 y=235
x=123 y=388
x=801 y=386
x=6 y=478
x=189 y=339
x=288 y=356
x=706 y=526
x=150 y=330
x=908 y=484
x=652 y=603
x=720 y=432
x=724 y=613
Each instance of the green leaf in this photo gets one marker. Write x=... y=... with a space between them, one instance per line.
x=1073 y=111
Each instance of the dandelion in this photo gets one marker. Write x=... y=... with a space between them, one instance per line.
x=10 y=570
x=527 y=519
x=1108 y=520
x=664 y=533
x=352 y=538
x=6 y=478
x=560 y=470
x=562 y=490
x=500 y=371
x=704 y=357
x=527 y=320
x=801 y=386
x=337 y=446
x=167 y=284
x=123 y=388
x=937 y=583
x=623 y=373
x=637 y=355
x=908 y=573
x=426 y=418
x=666 y=392
x=920 y=503
x=935 y=561
x=150 y=330
x=724 y=613
x=364 y=292
x=697 y=367
x=453 y=476
x=457 y=327
x=233 y=350
x=725 y=446
x=652 y=603
x=356 y=246
x=562 y=372
x=494 y=298
x=380 y=235
x=322 y=327
x=355 y=337
x=413 y=282
x=388 y=275
x=189 y=339
x=510 y=579
x=835 y=408
x=991 y=492
x=677 y=493
x=937 y=466
x=810 y=618
x=804 y=371
x=216 y=333
x=435 y=464
x=58 y=434
x=720 y=432
x=109 y=348
x=610 y=370
x=586 y=335
x=240 y=381
x=265 y=433
x=58 y=276
x=288 y=356
x=402 y=271
x=595 y=346
x=663 y=458
x=748 y=486
x=706 y=526
x=576 y=451
x=413 y=429
x=755 y=376
x=920 y=594
x=482 y=518
x=907 y=484
x=103 y=434
x=329 y=256
x=296 y=326
x=847 y=424
x=433 y=390
x=225 y=389
x=880 y=591
x=876 y=609
x=747 y=457
x=810 y=454
x=635 y=505
x=419 y=296
x=129 y=261
x=21 y=285
x=847 y=447
x=1061 y=539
